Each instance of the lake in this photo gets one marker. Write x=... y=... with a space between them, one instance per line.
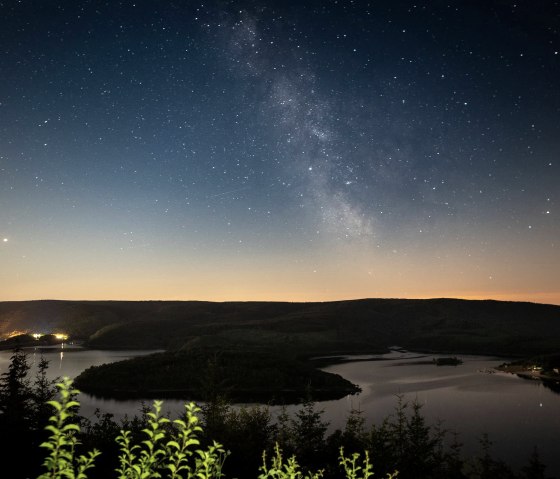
x=518 y=414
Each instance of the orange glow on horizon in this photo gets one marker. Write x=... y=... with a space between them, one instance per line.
x=346 y=273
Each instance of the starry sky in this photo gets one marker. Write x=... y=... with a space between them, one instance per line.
x=296 y=150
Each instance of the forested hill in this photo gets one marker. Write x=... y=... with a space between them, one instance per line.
x=343 y=326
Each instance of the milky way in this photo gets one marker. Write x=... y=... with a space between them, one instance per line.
x=295 y=151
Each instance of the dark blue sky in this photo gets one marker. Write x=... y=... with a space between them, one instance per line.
x=279 y=150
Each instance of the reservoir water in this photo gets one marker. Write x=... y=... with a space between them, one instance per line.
x=470 y=398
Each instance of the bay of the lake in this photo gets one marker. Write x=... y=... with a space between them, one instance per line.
x=471 y=398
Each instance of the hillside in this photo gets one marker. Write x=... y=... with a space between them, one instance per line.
x=236 y=348
x=446 y=325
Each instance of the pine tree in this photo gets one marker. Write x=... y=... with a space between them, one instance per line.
x=16 y=397
x=44 y=390
x=309 y=435
x=16 y=414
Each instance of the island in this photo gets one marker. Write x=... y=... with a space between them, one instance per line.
x=447 y=361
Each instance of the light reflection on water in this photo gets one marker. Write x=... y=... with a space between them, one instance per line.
x=517 y=414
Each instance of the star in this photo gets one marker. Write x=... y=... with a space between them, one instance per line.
x=192 y=129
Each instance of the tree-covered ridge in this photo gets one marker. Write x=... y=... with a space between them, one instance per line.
x=445 y=325
x=197 y=443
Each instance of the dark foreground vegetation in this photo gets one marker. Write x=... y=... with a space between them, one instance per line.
x=223 y=441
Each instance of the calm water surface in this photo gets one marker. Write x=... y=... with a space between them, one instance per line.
x=517 y=414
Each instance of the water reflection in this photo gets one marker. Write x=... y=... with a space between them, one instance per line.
x=554 y=386
x=61 y=356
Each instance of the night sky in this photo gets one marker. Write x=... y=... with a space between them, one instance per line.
x=294 y=150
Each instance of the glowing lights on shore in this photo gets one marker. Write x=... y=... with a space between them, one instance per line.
x=37 y=336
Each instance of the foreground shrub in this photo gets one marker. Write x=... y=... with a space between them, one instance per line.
x=168 y=450
x=62 y=461
x=171 y=449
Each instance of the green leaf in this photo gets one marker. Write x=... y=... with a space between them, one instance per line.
x=174 y=444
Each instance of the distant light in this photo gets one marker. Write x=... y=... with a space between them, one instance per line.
x=61 y=336
x=5 y=240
